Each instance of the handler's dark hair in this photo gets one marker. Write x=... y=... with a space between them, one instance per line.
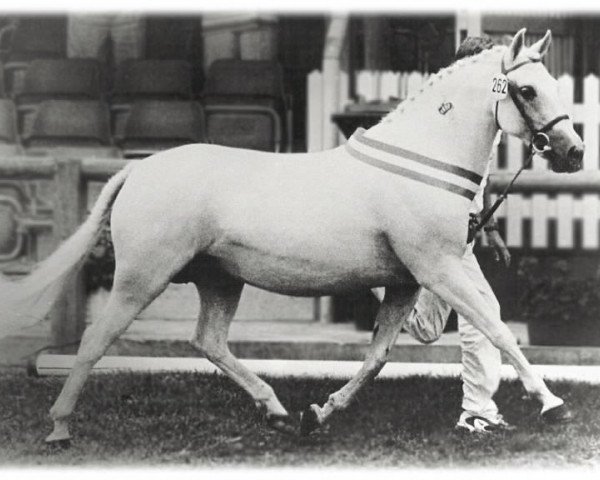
x=473 y=45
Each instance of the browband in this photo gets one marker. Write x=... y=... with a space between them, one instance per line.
x=518 y=65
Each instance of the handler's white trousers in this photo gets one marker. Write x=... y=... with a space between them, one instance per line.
x=481 y=361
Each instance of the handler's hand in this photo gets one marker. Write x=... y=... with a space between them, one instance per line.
x=500 y=249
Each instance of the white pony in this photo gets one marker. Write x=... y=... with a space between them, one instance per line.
x=388 y=209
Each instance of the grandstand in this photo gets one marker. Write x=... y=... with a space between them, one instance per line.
x=52 y=102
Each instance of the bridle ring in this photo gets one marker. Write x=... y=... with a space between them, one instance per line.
x=540 y=142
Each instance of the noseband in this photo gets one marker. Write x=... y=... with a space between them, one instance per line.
x=540 y=142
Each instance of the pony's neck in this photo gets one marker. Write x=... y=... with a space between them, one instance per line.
x=451 y=118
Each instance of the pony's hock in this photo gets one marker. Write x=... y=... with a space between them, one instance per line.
x=386 y=210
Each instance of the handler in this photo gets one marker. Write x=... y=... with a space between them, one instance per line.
x=480 y=359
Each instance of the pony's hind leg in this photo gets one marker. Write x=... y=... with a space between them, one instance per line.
x=132 y=291
x=217 y=308
x=397 y=305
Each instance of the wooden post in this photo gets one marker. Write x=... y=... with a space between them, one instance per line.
x=68 y=316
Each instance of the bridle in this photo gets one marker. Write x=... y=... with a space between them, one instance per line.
x=539 y=143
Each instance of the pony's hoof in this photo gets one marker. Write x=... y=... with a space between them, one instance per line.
x=60 y=436
x=559 y=414
x=310 y=420
x=281 y=423
x=63 y=444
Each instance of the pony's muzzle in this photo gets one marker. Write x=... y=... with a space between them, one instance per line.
x=575 y=158
x=571 y=162
x=567 y=149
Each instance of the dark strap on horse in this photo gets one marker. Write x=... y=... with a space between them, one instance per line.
x=506 y=71
x=551 y=123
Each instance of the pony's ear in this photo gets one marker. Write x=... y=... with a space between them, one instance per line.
x=516 y=45
x=542 y=45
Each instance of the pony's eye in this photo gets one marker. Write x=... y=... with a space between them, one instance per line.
x=527 y=92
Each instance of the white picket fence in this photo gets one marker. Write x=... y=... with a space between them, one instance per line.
x=564 y=213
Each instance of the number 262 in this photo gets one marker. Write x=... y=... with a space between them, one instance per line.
x=499 y=85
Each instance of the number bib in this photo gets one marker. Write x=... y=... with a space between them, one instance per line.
x=499 y=86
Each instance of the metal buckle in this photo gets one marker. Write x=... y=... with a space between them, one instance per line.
x=540 y=142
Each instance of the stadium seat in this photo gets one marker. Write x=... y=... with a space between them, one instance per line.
x=57 y=79
x=36 y=37
x=155 y=125
x=152 y=80
x=246 y=97
x=231 y=80
x=244 y=126
x=62 y=126
x=148 y=80
x=28 y=39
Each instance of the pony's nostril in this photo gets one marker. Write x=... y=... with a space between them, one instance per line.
x=575 y=154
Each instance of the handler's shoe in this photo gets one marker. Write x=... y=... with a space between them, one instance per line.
x=477 y=424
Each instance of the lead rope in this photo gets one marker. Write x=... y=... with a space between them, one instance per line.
x=475 y=227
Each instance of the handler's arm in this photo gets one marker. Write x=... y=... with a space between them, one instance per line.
x=491 y=229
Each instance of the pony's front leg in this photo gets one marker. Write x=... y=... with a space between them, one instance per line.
x=217 y=308
x=397 y=305
x=450 y=282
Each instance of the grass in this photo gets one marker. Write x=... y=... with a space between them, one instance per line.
x=184 y=418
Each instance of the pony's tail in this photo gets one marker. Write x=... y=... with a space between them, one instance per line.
x=28 y=300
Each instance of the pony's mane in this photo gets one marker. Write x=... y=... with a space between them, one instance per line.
x=442 y=74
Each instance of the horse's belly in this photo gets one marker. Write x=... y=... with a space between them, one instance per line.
x=339 y=269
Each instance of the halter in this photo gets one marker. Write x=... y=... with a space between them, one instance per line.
x=540 y=142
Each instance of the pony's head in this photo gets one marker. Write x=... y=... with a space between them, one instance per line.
x=531 y=108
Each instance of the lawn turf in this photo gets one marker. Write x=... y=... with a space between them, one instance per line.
x=206 y=420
